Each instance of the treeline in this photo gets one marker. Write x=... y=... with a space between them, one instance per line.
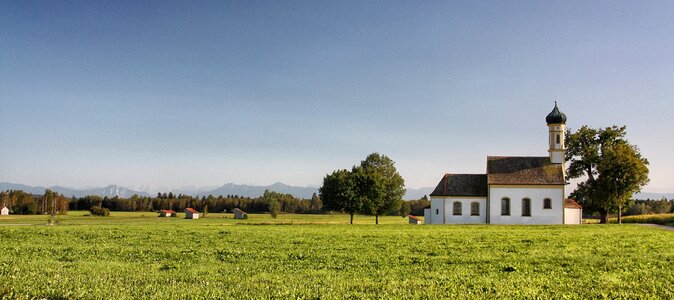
x=20 y=202
x=287 y=203
x=648 y=206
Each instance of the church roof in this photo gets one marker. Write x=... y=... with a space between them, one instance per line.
x=523 y=170
x=462 y=185
x=556 y=116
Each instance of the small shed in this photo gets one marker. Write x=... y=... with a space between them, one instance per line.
x=239 y=214
x=4 y=211
x=573 y=212
x=414 y=220
x=167 y=213
x=191 y=213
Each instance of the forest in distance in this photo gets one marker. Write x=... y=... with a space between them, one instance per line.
x=20 y=202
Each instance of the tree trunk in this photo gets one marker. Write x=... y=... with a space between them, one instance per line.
x=604 y=217
x=351 y=219
x=620 y=214
x=376 y=219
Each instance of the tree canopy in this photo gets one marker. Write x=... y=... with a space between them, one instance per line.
x=373 y=187
x=613 y=168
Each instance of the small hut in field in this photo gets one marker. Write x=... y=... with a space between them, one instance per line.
x=191 y=213
x=573 y=212
x=166 y=213
x=4 y=211
x=240 y=214
x=414 y=220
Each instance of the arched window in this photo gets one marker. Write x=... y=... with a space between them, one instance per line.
x=437 y=211
x=558 y=139
x=457 y=208
x=505 y=206
x=475 y=209
x=526 y=207
x=547 y=203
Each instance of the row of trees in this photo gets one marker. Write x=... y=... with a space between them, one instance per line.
x=20 y=202
x=284 y=203
x=648 y=206
x=373 y=188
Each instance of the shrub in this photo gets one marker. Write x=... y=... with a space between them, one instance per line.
x=99 y=211
x=662 y=219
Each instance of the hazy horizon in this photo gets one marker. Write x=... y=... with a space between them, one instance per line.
x=176 y=93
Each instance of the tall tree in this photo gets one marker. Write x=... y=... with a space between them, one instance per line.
x=379 y=185
x=613 y=169
x=316 y=205
x=337 y=193
x=622 y=173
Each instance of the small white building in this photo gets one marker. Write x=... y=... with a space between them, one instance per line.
x=514 y=190
x=191 y=213
x=166 y=213
x=240 y=214
x=573 y=212
x=4 y=211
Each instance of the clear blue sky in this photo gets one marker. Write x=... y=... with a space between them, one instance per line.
x=204 y=93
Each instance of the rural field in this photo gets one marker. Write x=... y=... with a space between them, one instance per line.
x=137 y=255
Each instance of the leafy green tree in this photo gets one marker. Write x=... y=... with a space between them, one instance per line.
x=379 y=185
x=316 y=205
x=274 y=208
x=338 y=193
x=405 y=209
x=613 y=169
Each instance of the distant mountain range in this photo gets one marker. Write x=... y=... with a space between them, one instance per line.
x=227 y=189
x=115 y=190
x=110 y=191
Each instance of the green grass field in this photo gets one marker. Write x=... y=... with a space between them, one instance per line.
x=136 y=255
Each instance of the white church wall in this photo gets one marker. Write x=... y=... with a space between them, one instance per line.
x=537 y=194
x=427 y=216
x=437 y=210
x=442 y=210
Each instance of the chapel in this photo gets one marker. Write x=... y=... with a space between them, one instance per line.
x=514 y=190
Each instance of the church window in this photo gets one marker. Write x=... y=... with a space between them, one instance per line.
x=437 y=211
x=558 y=139
x=547 y=203
x=505 y=206
x=526 y=207
x=457 y=208
x=475 y=209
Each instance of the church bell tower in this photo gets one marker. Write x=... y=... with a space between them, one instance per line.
x=556 y=128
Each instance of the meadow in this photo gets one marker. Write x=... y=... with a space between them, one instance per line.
x=137 y=255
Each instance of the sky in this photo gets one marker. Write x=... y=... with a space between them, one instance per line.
x=178 y=93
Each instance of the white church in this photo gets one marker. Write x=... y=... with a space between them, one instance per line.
x=514 y=190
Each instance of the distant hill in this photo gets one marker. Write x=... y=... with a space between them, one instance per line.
x=109 y=191
x=653 y=196
x=256 y=191
x=414 y=194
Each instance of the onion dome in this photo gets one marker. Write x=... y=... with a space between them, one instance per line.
x=556 y=116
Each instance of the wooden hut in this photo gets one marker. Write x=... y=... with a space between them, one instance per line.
x=4 y=211
x=414 y=220
x=191 y=213
x=166 y=213
x=239 y=214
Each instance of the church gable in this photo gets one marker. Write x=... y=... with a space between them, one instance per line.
x=472 y=185
x=512 y=170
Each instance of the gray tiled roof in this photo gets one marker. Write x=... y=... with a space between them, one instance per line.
x=523 y=170
x=462 y=185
